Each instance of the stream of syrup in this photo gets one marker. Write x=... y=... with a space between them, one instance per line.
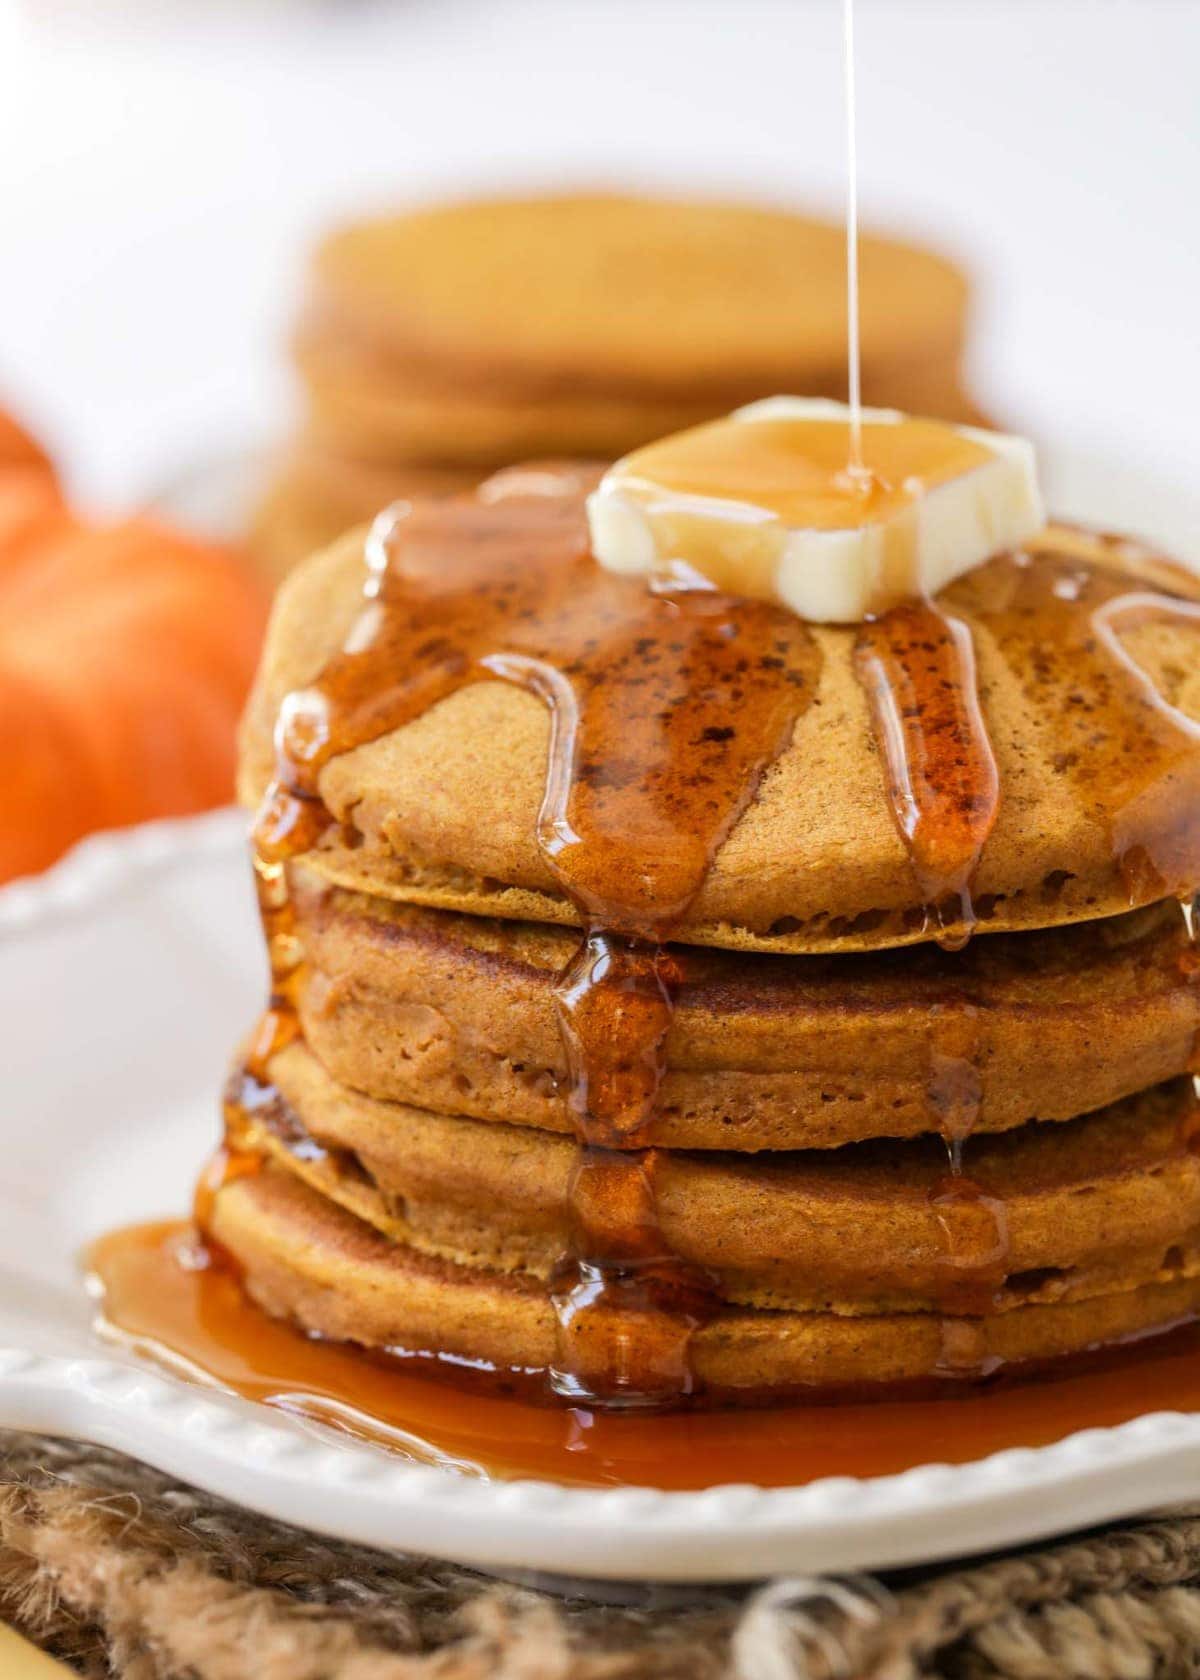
x=855 y=465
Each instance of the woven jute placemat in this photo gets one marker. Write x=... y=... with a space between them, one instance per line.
x=128 y=1574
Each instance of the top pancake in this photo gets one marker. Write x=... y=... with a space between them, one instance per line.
x=1097 y=749
x=604 y=292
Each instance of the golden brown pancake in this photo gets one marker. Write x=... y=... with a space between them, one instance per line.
x=391 y=415
x=606 y=293
x=282 y=531
x=305 y=1259
x=457 y=1013
x=1096 y=1205
x=444 y=810
x=317 y=494
x=392 y=418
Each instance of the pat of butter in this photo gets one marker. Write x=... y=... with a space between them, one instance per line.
x=764 y=504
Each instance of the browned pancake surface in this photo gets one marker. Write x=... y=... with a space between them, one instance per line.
x=444 y=810
x=640 y=295
x=305 y=1259
x=1090 y=1206
x=457 y=1013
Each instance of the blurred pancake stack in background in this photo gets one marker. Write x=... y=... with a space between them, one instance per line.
x=437 y=345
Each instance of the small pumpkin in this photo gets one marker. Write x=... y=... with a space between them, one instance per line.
x=19 y=448
x=126 y=652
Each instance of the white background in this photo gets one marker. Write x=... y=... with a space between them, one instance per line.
x=162 y=167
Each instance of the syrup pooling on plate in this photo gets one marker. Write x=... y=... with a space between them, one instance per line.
x=665 y=711
x=154 y=1298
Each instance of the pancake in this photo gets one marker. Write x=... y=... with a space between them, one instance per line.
x=304 y=1259
x=457 y=1013
x=1095 y=738
x=755 y=819
x=1108 y=1202
x=603 y=293
x=389 y=415
x=282 y=532
x=315 y=495
x=352 y=491
x=394 y=417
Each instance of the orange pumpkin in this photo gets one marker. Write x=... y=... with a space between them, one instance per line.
x=125 y=656
x=19 y=449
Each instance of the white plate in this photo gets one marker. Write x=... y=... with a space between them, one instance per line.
x=126 y=974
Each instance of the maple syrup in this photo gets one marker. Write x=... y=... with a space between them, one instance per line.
x=916 y=666
x=196 y=1318
x=855 y=465
x=1132 y=756
x=794 y=470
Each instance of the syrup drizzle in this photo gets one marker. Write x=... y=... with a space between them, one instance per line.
x=1132 y=755
x=1190 y=905
x=916 y=665
x=1060 y=624
x=615 y=1002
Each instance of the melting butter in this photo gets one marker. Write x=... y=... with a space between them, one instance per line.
x=764 y=504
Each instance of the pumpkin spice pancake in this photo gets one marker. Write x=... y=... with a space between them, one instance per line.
x=384 y=419
x=691 y=893
x=457 y=1013
x=306 y=1259
x=318 y=493
x=447 y=289
x=1110 y=1202
x=1086 y=656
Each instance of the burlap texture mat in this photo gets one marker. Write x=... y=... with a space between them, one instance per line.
x=126 y=1573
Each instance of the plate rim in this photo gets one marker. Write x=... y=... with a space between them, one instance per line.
x=732 y=1531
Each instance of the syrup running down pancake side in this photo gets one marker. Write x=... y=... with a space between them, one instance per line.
x=666 y=710
x=668 y=704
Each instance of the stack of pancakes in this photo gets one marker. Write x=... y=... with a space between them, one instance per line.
x=894 y=1161
x=438 y=345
